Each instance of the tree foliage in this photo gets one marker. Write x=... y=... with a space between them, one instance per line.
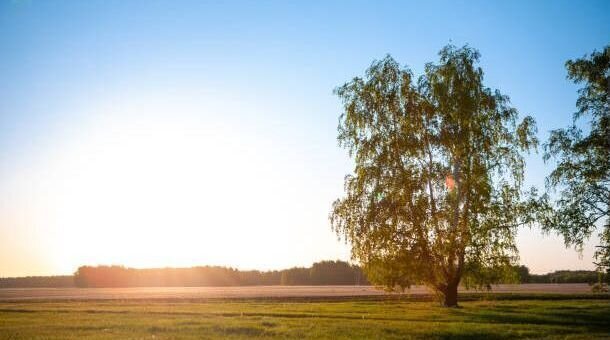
x=320 y=273
x=57 y=281
x=435 y=195
x=582 y=174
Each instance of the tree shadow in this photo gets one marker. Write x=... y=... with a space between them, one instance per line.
x=592 y=318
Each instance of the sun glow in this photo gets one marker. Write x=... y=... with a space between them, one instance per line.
x=160 y=192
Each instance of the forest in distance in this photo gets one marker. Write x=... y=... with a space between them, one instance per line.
x=320 y=273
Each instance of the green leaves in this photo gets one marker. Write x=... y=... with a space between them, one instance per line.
x=408 y=139
x=582 y=172
x=526 y=134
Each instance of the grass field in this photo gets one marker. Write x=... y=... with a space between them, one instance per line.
x=353 y=318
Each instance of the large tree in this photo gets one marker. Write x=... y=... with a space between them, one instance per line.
x=582 y=174
x=435 y=196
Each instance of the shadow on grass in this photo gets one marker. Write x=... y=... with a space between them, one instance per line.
x=592 y=318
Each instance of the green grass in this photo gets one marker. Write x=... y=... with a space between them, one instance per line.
x=369 y=319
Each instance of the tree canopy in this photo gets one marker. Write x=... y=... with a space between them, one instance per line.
x=582 y=173
x=435 y=195
x=320 y=273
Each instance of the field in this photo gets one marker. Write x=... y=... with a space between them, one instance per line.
x=10 y=294
x=501 y=315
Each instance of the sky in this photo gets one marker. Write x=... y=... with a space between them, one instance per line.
x=180 y=133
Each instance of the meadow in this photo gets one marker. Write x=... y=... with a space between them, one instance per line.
x=500 y=317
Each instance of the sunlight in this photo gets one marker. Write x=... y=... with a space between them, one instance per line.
x=160 y=192
x=283 y=169
x=152 y=194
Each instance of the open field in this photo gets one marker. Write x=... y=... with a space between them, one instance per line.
x=511 y=311
x=348 y=319
x=10 y=294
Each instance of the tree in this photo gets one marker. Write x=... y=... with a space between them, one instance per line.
x=435 y=195
x=582 y=173
x=335 y=273
x=524 y=274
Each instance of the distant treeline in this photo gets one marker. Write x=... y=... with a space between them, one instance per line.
x=561 y=276
x=37 y=282
x=320 y=273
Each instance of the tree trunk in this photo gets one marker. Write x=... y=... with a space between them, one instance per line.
x=450 y=296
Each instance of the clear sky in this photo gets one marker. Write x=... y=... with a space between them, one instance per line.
x=178 y=133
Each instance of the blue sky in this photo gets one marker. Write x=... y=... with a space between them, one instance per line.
x=88 y=87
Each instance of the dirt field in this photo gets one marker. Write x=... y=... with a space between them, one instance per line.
x=13 y=294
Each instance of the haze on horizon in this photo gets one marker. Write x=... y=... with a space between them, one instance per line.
x=151 y=134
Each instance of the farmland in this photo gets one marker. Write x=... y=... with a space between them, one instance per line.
x=256 y=292
x=301 y=312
